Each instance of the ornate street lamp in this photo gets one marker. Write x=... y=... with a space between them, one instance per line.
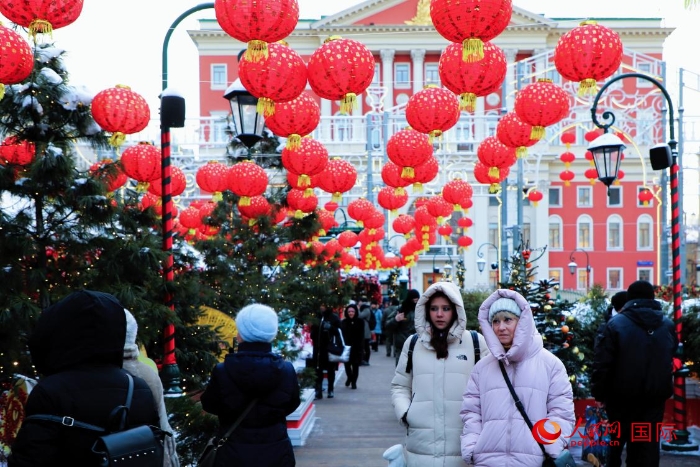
x=607 y=151
x=573 y=266
x=248 y=124
x=481 y=262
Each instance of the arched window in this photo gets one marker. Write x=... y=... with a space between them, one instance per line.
x=645 y=233
x=615 y=233
x=555 y=233
x=584 y=232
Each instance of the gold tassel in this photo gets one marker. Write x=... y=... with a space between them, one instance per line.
x=537 y=133
x=521 y=152
x=472 y=50
x=494 y=172
x=588 y=87
x=457 y=207
x=372 y=232
x=360 y=224
x=304 y=180
x=142 y=187
x=347 y=103
x=592 y=181
x=217 y=196
x=418 y=187
x=2 y=90
x=567 y=183
x=244 y=201
x=308 y=192
x=252 y=222
x=467 y=101
x=321 y=232
x=265 y=107
x=434 y=134
x=337 y=196
x=399 y=191
x=298 y=214
x=256 y=50
x=117 y=139
x=40 y=26
x=294 y=142
x=408 y=173
x=494 y=188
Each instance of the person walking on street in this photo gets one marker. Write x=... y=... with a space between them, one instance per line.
x=633 y=372
x=326 y=329
x=367 y=316
x=403 y=325
x=377 y=327
x=427 y=392
x=617 y=301
x=388 y=314
x=495 y=433
x=353 y=329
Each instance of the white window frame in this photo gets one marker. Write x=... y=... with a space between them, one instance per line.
x=579 y=190
x=585 y=218
x=607 y=198
x=645 y=218
x=219 y=85
x=558 y=221
x=582 y=280
x=646 y=268
x=622 y=279
x=377 y=78
x=437 y=73
x=560 y=272
x=401 y=84
x=558 y=189
x=645 y=69
x=615 y=219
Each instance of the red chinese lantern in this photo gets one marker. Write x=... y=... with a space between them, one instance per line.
x=403 y=224
x=309 y=160
x=391 y=175
x=347 y=239
x=456 y=192
x=16 y=152
x=360 y=209
x=567 y=158
x=191 y=219
x=330 y=206
x=432 y=111
x=482 y=174
x=16 y=58
x=466 y=204
x=42 y=16
x=300 y=203
x=541 y=104
x=257 y=23
x=408 y=149
x=294 y=181
x=333 y=248
x=620 y=176
x=327 y=220
x=591 y=135
x=149 y=200
x=425 y=173
x=568 y=138
x=592 y=175
x=535 y=196
x=338 y=177
x=107 y=171
x=445 y=231
x=246 y=179
x=294 y=119
x=120 y=111
x=425 y=221
x=645 y=196
x=464 y=242
x=178 y=183
x=211 y=178
x=471 y=23
x=374 y=221
x=515 y=133
x=439 y=208
x=566 y=176
x=259 y=207
x=341 y=69
x=464 y=223
x=589 y=157
x=388 y=199
x=470 y=80
x=495 y=155
x=587 y=54
x=278 y=77
x=142 y=163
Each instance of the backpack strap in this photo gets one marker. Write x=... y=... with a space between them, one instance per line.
x=66 y=421
x=477 y=350
x=409 y=363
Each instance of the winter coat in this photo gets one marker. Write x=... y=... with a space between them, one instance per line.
x=321 y=333
x=388 y=314
x=354 y=335
x=495 y=434
x=429 y=397
x=261 y=439
x=633 y=362
x=402 y=330
x=364 y=315
x=77 y=346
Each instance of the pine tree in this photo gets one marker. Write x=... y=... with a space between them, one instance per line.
x=554 y=319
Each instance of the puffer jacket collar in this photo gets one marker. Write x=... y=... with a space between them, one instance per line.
x=455 y=296
x=527 y=341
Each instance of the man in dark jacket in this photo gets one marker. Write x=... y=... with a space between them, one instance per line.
x=327 y=328
x=77 y=347
x=633 y=372
x=389 y=313
x=403 y=326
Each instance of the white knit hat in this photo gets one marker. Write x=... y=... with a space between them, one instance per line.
x=132 y=328
x=504 y=304
x=257 y=323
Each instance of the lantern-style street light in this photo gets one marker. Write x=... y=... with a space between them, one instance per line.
x=573 y=266
x=481 y=262
x=248 y=124
x=659 y=161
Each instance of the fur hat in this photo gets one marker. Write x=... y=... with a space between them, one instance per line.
x=504 y=304
x=618 y=300
x=640 y=290
x=132 y=328
x=257 y=323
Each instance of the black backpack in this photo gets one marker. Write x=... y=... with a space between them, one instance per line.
x=414 y=339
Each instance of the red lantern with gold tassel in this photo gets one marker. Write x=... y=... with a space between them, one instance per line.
x=42 y=16
x=294 y=180
x=374 y=221
x=301 y=204
x=391 y=175
x=246 y=179
x=359 y=209
x=425 y=173
x=16 y=58
x=465 y=242
x=566 y=176
x=347 y=239
x=470 y=80
x=591 y=174
x=327 y=221
x=294 y=119
x=309 y=160
x=404 y=224
x=483 y=174
x=211 y=178
x=439 y=208
x=495 y=155
x=279 y=77
x=259 y=207
x=191 y=219
x=645 y=196
x=456 y=192
x=535 y=196
x=142 y=163
x=16 y=152
x=120 y=111
x=338 y=177
x=587 y=54
x=620 y=176
x=515 y=133
x=471 y=23
x=408 y=149
x=567 y=158
x=432 y=111
x=465 y=223
x=257 y=23
x=106 y=171
x=341 y=69
x=568 y=138
x=389 y=200
x=542 y=104
x=178 y=183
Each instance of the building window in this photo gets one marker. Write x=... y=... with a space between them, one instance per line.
x=615 y=279
x=640 y=204
x=555 y=233
x=431 y=74
x=555 y=197
x=525 y=233
x=376 y=80
x=614 y=232
x=583 y=198
x=644 y=274
x=583 y=278
x=615 y=197
x=219 y=78
x=555 y=275
x=493 y=201
x=644 y=232
x=493 y=234
x=402 y=75
x=584 y=233
x=645 y=69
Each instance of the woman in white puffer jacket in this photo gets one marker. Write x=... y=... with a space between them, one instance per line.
x=428 y=398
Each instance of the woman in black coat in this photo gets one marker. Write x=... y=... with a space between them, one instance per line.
x=325 y=330
x=353 y=328
x=254 y=373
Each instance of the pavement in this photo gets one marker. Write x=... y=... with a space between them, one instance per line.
x=355 y=427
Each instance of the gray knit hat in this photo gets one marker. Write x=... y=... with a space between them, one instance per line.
x=504 y=304
x=257 y=323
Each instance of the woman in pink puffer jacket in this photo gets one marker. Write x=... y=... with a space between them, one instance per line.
x=495 y=433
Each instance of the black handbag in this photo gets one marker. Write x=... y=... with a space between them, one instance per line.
x=565 y=459
x=208 y=456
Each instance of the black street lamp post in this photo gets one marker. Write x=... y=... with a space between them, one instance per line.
x=481 y=262
x=573 y=266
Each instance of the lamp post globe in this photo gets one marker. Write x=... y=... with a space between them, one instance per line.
x=572 y=267
x=248 y=124
x=607 y=151
x=481 y=264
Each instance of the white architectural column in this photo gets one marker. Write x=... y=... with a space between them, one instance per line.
x=541 y=63
x=388 y=76
x=326 y=119
x=510 y=82
x=418 y=58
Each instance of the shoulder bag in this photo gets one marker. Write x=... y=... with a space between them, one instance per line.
x=339 y=353
x=565 y=458
x=208 y=456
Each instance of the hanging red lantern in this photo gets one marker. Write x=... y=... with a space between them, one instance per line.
x=515 y=133
x=294 y=181
x=327 y=221
x=587 y=54
x=120 y=111
x=257 y=23
x=589 y=157
x=16 y=58
x=246 y=179
x=535 y=196
x=425 y=221
x=142 y=163
x=620 y=176
x=309 y=160
x=567 y=158
x=566 y=176
x=149 y=200
x=16 y=152
x=541 y=104
x=591 y=135
x=374 y=221
x=338 y=177
x=294 y=119
x=432 y=111
x=42 y=16
x=191 y=219
x=495 y=155
x=470 y=80
x=645 y=196
x=439 y=208
x=300 y=203
x=330 y=206
x=466 y=204
x=592 y=175
x=106 y=171
x=464 y=242
x=211 y=178
x=279 y=77
x=408 y=149
x=259 y=207
x=456 y=192
x=360 y=209
x=341 y=69
x=333 y=248
x=483 y=174
x=464 y=223
x=347 y=239
x=178 y=183
x=389 y=200
x=403 y=224
x=471 y=23
x=425 y=173
x=568 y=138
x=391 y=175
x=445 y=231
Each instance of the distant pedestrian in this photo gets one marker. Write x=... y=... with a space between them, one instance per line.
x=617 y=301
x=403 y=326
x=377 y=339
x=354 y=334
x=367 y=315
x=323 y=331
x=388 y=314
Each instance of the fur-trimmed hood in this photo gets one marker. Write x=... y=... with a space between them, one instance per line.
x=455 y=296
